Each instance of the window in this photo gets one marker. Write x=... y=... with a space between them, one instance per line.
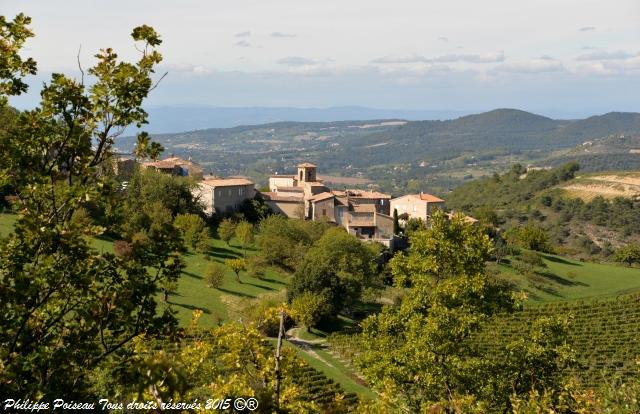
x=382 y=202
x=415 y=208
x=324 y=211
x=229 y=192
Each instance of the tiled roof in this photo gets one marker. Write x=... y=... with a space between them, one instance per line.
x=226 y=182
x=281 y=176
x=321 y=196
x=366 y=194
x=467 y=219
x=170 y=162
x=306 y=165
x=272 y=196
x=429 y=198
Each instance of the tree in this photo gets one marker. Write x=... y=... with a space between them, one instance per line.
x=414 y=224
x=420 y=350
x=486 y=215
x=309 y=308
x=226 y=230
x=256 y=265
x=284 y=242
x=67 y=308
x=244 y=234
x=13 y=68
x=168 y=287
x=531 y=237
x=214 y=275
x=194 y=231
x=237 y=265
x=145 y=148
x=628 y=254
x=228 y=360
x=396 y=222
x=338 y=266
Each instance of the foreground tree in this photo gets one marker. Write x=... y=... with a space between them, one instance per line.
x=68 y=309
x=308 y=309
x=420 y=355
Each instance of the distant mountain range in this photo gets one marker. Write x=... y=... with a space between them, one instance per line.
x=398 y=150
x=168 y=119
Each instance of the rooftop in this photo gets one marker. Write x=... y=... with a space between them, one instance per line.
x=321 y=196
x=429 y=198
x=226 y=182
x=170 y=162
x=272 y=196
x=282 y=176
x=306 y=165
x=366 y=194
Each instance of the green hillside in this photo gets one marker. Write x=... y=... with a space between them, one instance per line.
x=563 y=279
x=584 y=215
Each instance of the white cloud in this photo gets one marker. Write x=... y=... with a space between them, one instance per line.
x=296 y=61
x=400 y=59
x=450 y=58
x=587 y=29
x=471 y=58
x=605 y=55
x=540 y=65
x=443 y=39
x=246 y=33
x=282 y=35
x=243 y=43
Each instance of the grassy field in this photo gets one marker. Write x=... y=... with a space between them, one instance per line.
x=565 y=279
x=193 y=292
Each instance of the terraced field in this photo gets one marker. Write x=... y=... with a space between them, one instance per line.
x=606 y=185
x=605 y=335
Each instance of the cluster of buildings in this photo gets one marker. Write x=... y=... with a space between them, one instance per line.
x=365 y=214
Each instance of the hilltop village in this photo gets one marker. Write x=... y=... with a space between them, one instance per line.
x=365 y=214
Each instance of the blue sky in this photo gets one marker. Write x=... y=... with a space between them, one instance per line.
x=571 y=55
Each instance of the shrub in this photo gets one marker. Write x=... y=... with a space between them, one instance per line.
x=215 y=275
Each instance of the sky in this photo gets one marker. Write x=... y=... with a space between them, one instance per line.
x=544 y=55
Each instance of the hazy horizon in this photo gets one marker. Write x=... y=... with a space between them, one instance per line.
x=577 y=56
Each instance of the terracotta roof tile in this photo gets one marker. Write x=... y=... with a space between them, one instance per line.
x=321 y=196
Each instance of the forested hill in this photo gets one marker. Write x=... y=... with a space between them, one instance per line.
x=393 y=141
x=583 y=214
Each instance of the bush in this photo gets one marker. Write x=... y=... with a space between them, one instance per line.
x=215 y=275
x=256 y=266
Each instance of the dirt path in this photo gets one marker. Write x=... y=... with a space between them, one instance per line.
x=306 y=345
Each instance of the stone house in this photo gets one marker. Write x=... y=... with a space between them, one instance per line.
x=419 y=206
x=223 y=195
